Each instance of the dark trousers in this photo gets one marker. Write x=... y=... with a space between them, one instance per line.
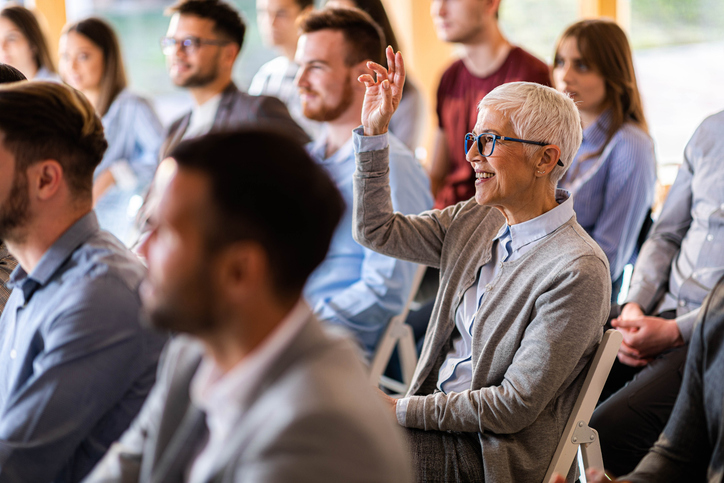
x=630 y=420
x=445 y=457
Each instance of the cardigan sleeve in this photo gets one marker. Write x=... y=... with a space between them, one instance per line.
x=415 y=238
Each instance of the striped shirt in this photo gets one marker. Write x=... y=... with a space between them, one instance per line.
x=613 y=192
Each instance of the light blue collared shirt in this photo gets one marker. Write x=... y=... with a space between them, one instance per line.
x=512 y=242
x=683 y=257
x=355 y=287
x=76 y=362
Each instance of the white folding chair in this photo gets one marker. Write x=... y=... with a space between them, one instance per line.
x=578 y=437
x=398 y=334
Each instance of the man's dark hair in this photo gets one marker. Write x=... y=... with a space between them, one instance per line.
x=365 y=39
x=264 y=187
x=227 y=21
x=302 y=4
x=47 y=120
x=8 y=73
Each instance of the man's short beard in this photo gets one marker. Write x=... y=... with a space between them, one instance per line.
x=200 y=80
x=188 y=308
x=336 y=111
x=203 y=79
x=14 y=212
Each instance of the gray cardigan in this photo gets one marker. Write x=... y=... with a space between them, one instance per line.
x=533 y=337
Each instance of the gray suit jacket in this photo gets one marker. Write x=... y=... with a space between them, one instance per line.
x=237 y=109
x=314 y=418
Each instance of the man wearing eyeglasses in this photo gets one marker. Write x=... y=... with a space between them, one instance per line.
x=204 y=39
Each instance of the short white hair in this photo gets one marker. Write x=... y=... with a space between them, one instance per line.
x=539 y=113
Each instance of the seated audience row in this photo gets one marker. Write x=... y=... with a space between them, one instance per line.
x=497 y=376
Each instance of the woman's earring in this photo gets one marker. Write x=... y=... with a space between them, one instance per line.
x=541 y=172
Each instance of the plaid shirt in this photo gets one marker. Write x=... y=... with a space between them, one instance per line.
x=7 y=265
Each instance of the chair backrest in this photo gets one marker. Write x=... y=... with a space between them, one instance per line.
x=398 y=333
x=585 y=404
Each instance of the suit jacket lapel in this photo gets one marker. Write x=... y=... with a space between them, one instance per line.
x=310 y=340
x=175 y=134
x=183 y=447
x=223 y=112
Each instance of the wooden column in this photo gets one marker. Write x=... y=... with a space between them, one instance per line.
x=426 y=57
x=618 y=10
x=51 y=15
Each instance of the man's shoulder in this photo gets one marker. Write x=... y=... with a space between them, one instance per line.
x=323 y=387
x=524 y=66
x=711 y=126
x=453 y=72
x=104 y=258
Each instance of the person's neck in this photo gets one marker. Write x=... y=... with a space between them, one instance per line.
x=589 y=117
x=40 y=233
x=339 y=131
x=288 y=51
x=244 y=331
x=92 y=95
x=30 y=71
x=204 y=93
x=533 y=206
x=487 y=52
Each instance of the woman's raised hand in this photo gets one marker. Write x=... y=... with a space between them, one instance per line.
x=382 y=95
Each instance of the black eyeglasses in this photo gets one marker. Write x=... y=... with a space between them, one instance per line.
x=188 y=45
x=486 y=143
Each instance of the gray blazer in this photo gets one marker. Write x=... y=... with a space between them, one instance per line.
x=536 y=330
x=237 y=109
x=314 y=418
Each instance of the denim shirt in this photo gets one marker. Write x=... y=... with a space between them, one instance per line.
x=134 y=136
x=355 y=287
x=684 y=256
x=76 y=362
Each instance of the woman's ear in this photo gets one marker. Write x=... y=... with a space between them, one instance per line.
x=548 y=159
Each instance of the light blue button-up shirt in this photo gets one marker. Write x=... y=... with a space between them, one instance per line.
x=613 y=192
x=684 y=256
x=511 y=243
x=134 y=136
x=75 y=363
x=355 y=287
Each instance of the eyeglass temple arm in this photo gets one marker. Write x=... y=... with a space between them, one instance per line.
x=538 y=143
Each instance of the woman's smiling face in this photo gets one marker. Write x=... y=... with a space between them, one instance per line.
x=504 y=179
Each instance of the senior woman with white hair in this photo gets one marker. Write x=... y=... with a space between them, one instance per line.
x=524 y=291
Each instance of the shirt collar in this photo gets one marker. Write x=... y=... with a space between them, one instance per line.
x=318 y=148
x=596 y=133
x=208 y=108
x=223 y=396
x=56 y=255
x=529 y=231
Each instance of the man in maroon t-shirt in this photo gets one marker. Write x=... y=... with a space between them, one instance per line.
x=488 y=60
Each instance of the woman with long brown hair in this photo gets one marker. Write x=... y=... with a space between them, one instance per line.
x=613 y=175
x=23 y=44
x=90 y=61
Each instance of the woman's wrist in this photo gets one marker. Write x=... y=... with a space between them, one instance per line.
x=374 y=131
